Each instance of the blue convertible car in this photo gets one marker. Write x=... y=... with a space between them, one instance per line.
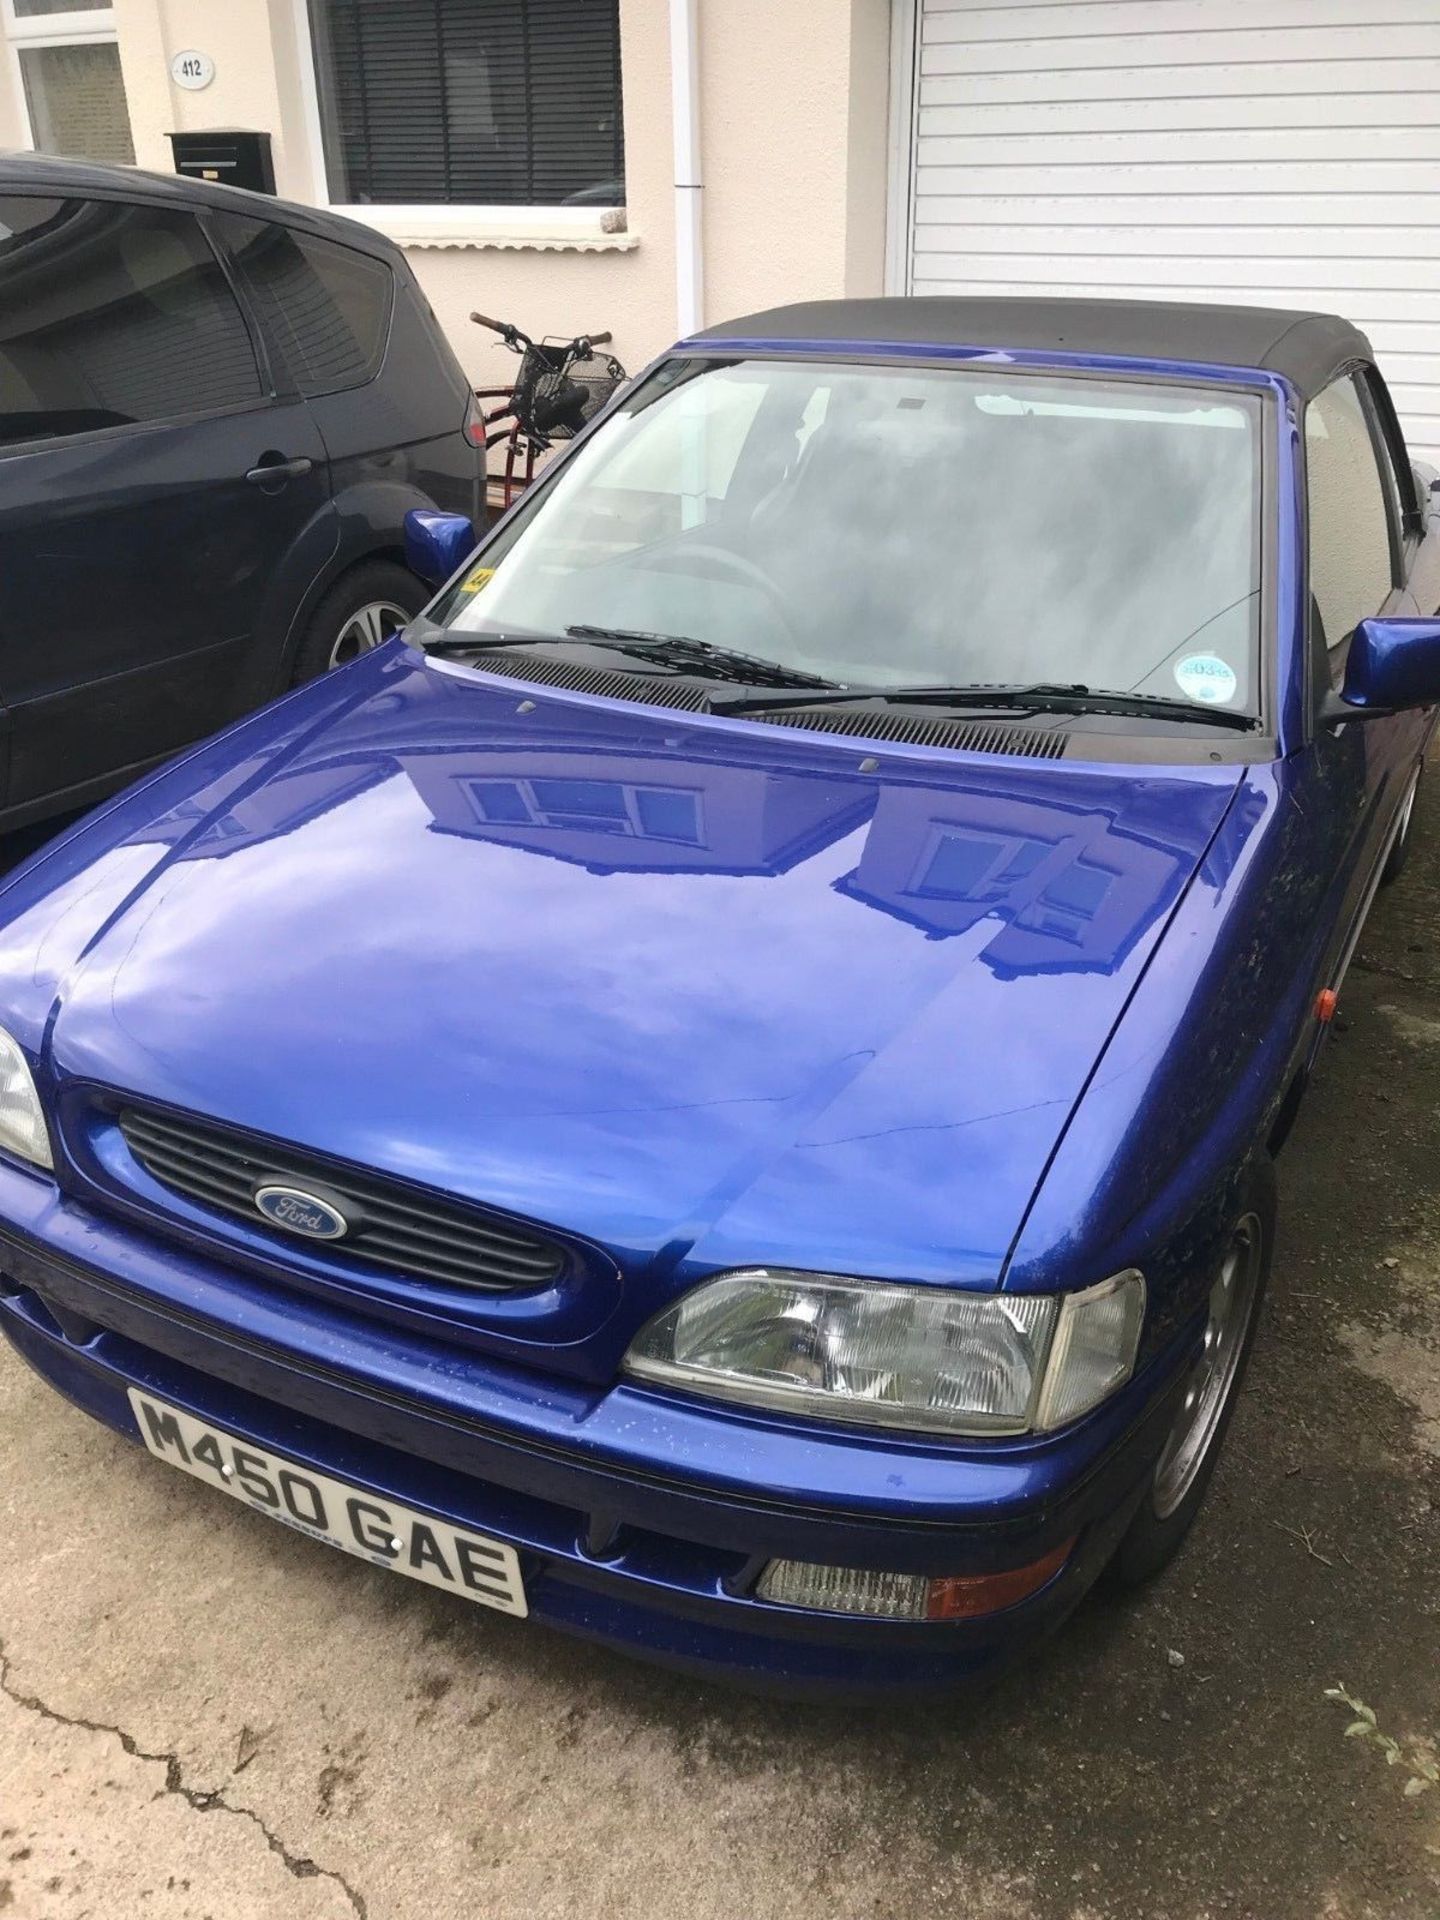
x=721 y=1091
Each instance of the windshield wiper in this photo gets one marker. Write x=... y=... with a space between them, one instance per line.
x=680 y=650
x=1040 y=696
x=668 y=649
x=812 y=690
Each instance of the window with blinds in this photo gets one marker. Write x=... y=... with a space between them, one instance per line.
x=470 y=102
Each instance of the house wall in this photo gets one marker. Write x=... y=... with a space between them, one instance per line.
x=794 y=102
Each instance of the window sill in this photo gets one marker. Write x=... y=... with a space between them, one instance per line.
x=525 y=242
x=542 y=229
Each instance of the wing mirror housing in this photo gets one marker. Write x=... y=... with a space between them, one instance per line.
x=1393 y=664
x=436 y=543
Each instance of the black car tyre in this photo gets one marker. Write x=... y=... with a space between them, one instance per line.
x=1400 y=852
x=1182 y=1473
x=359 y=613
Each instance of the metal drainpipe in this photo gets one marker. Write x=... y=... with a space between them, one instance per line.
x=685 y=113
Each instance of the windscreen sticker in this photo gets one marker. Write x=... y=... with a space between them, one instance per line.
x=481 y=577
x=1206 y=677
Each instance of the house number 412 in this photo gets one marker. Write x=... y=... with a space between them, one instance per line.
x=192 y=69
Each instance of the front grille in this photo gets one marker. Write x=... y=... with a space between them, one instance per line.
x=403 y=1230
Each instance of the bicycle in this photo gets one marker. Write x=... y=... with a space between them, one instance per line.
x=561 y=385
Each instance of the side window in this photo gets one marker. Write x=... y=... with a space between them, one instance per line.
x=329 y=306
x=111 y=315
x=1351 y=566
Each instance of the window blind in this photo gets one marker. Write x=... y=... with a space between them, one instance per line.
x=470 y=102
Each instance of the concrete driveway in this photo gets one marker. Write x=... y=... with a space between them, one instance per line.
x=204 y=1715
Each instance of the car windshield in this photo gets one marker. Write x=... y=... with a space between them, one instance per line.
x=887 y=526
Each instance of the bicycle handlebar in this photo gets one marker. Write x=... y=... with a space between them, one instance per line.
x=506 y=332
x=511 y=334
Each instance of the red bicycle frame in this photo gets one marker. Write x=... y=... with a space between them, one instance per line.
x=520 y=450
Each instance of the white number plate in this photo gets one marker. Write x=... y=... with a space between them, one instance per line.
x=379 y=1530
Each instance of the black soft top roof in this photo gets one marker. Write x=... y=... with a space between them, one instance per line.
x=44 y=173
x=1307 y=348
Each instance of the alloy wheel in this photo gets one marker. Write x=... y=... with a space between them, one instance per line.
x=1402 y=832
x=367 y=628
x=1232 y=1307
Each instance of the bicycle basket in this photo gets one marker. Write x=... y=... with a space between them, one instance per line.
x=540 y=366
x=564 y=392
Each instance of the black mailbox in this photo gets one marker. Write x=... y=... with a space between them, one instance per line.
x=230 y=154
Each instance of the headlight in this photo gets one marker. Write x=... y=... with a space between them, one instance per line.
x=926 y=1358
x=22 y=1119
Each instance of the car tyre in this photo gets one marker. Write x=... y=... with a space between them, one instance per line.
x=1400 y=852
x=359 y=613
x=1181 y=1476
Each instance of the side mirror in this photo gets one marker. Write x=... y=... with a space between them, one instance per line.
x=1392 y=664
x=436 y=543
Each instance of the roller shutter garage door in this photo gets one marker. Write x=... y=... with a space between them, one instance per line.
x=1273 y=152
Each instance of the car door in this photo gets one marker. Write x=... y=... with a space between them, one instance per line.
x=387 y=394
x=151 y=479
x=1360 y=549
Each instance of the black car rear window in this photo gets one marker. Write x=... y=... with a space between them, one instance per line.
x=327 y=305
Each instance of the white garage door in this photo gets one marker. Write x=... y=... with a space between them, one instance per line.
x=1271 y=152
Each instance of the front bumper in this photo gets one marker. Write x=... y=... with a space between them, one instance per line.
x=641 y=1520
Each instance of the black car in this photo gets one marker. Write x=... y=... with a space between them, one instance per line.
x=215 y=411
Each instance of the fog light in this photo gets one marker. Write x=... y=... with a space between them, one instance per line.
x=906 y=1596
x=887 y=1596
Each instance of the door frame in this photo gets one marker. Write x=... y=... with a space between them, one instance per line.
x=905 y=40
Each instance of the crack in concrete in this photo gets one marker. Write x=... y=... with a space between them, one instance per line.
x=210 y=1800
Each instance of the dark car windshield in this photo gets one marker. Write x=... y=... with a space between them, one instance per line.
x=894 y=526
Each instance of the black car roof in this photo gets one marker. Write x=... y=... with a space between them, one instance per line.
x=44 y=173
x=1307 y=348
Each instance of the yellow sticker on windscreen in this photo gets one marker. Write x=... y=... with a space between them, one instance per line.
x=481 y=577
